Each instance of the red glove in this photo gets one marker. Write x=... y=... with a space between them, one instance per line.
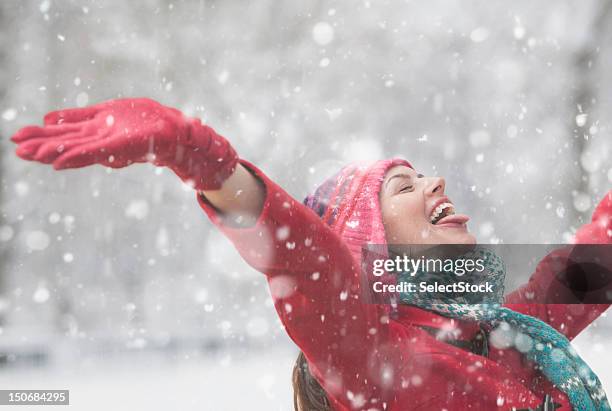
x=599 y=230
x=120 y=132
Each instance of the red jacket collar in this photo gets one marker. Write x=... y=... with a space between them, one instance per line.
x=412 y=316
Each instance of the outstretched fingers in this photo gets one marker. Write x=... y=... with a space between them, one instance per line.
x=30 y=132
x=106 y=151
x=30 y=148
x=80 y=156
x=49 y=151
x=603 y=211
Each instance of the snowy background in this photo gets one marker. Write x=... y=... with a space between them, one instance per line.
x=114 y=285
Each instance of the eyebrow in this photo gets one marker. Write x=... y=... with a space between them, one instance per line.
x=397 y=176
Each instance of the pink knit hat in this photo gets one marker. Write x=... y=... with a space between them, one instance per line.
x=348 y=202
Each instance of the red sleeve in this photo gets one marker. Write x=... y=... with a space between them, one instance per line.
x=570 y=319
x=315 y=286
x=545 y=298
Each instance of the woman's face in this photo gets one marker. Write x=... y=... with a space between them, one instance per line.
x=415 y=210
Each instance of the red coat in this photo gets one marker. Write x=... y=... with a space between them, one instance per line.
x=366 y=359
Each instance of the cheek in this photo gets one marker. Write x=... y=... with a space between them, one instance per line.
x=405 y=221
x=411 y=210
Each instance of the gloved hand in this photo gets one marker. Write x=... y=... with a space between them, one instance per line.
x=599 y=230
x=120 y=132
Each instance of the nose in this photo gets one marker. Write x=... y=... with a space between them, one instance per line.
x=435 y=186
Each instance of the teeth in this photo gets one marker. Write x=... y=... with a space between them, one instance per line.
x=438 y=211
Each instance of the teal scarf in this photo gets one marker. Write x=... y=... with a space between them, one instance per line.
x=538 y=341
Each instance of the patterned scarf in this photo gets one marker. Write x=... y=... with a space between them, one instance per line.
x=550 y=350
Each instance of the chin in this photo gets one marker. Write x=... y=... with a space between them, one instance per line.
x=458 y=238
x=468 y=239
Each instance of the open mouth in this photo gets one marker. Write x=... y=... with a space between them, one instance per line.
x=444 y=215
x=441 y=211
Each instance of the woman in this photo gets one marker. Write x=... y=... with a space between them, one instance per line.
x=356 y=355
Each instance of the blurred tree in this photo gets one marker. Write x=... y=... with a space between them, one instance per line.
x=299 y=89
x=4 y=61
x=585 y=60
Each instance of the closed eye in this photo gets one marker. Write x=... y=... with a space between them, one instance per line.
x=406 y=189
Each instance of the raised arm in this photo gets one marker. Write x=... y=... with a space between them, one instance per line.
x=545 y=297
x=315 y=284
x=121 y=132
x=239 y=200
x=313 y=278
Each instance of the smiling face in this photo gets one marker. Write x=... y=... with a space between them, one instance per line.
x=415 y=210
